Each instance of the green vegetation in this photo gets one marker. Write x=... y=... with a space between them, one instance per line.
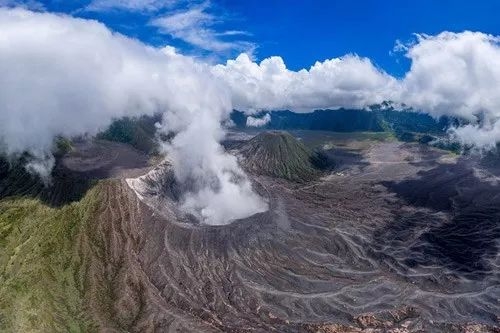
x=405 y=125
x=138 y=132
x=318 y=139
x=62 y=146
x=279 y=154
x=40 y=282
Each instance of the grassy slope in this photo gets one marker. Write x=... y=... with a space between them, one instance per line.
x=41 y=286
x=139 y=132
x=279 y=154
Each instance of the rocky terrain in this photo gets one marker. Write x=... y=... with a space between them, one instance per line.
x=398 y=237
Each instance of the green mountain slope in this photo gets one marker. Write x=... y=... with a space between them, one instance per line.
x=40 y=270
x=279 y=154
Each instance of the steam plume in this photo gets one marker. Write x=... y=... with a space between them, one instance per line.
x=67 y=76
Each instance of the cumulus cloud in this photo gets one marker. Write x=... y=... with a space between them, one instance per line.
x=457 y=74
x=258 y=122
x=349 y=81
x=454 y=74
x=67 y=76
x=194 y=26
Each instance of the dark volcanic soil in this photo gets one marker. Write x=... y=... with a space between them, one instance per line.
x=75 y=172
x=397 y=238
x=99 y=159
x=365 y=249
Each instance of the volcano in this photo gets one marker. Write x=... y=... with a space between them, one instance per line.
x=279 y=154
x=360 y=249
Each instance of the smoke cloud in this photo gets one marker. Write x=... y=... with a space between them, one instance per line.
x=67 y=76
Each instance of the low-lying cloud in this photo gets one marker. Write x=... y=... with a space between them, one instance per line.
x=67 y=76
x=454 y=74
x=258 y=122
x=457 y=74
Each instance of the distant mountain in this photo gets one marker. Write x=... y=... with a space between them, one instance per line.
x=279 y=154
x=352 y=120
x=329 y=120
x=406 y=125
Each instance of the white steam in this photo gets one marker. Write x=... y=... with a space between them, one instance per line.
x=42 y=166
x=67 y=76
x=61 y=75
x=258 y=122
x=218 y=190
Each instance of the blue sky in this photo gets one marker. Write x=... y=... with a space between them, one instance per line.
x=301 y=32
x=58 y=68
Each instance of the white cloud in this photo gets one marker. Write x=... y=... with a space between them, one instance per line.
x=190 y=21
x=130 y=5
x=480 y=136
x=67 y=76
x=455 y=74
x=195 y=25
x=349 y=81
x=258 y=122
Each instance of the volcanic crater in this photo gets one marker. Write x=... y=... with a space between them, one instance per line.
x=355 y=246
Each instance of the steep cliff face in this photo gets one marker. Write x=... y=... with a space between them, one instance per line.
x=279 y=154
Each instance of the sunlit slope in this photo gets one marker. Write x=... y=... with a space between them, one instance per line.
x=279 y=154
x=41 y=283
x=69 y=250
x=71 y=269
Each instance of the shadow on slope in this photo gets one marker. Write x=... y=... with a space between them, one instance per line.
x=66 y=186
x=74 y=173
x=468 y=241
